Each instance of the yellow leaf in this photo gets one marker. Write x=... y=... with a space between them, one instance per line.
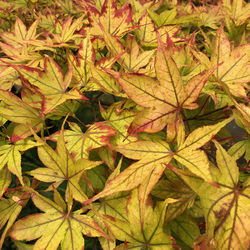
x=55 y=226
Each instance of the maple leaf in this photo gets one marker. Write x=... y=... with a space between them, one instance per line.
x=136 y=234
x=18 y=111
x=232 y=65
x=56 y=225
x=174 y=187
x=226 y=206
x=105 y=81
x=79 y=143
x=129 y=58
x=153 y=156
x=10 y=155
x=61 y=167
x=116 y=22
x=147 y=33
x=119 y=117
x=164 y=98
x=9 y=211
x=51 y=84
x=67 y=32
x=81 y=70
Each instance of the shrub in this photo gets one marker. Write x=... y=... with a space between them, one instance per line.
x=124 y=124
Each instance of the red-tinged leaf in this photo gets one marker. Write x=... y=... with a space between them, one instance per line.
x=116 y=22
x=9 y=211
x=56 y=92
x=21 y=113
x=194 y=87
x=152 y=120
x=119 y=118
x=79 y=143
x=10 y=155
x=106 y=82
x=147 y=35
x=68 y=30
x=55 y=226
x=129 y=58
x=151 y=156
x=81 y=70
x=169 y=75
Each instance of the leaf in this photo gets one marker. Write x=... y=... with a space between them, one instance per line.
x=185 y=229
x=68 y=30
x=9 y=211
x=81 y=69
x=106 y=82
x=149 y=234
x=130 y=58
x=5 y=180
x=10 y=155
x=20 y=112
x=192 y=158
x=61 y=167
x=119 y=118
x=151 y=156
x=55 y=226
x=225 y=206
x=56 y=92
x=80 y=144
x=232 y=64
x=116 y=22
x=164 y=98
x=173 y=187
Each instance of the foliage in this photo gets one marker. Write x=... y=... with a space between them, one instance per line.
x=124 y=124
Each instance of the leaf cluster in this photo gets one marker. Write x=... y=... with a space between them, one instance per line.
x=126 y=122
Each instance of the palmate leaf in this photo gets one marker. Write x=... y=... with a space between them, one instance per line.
x=56 y=225
x=61 y=167
x=119 y=118
x=10 y=155
x=51 y=84
x=18 y=111
x=138 y=235
x=164 y=98
x=79 y=144
x=226 y=207
x=67 y=32
x=81 y=70
x=116 y=22
x=232 y=65
x=153 y=157
x=129 y=57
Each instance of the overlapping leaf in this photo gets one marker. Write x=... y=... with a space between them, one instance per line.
x=153 y=157
x=61 y=167
x=55 y=226
x=9 y=210
x=79 y=143
x=115 y=21
x=51 y=84
x=18 y=111
x=225 y=206
x=164 y=98
x=10 y=155
x=136 y=234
